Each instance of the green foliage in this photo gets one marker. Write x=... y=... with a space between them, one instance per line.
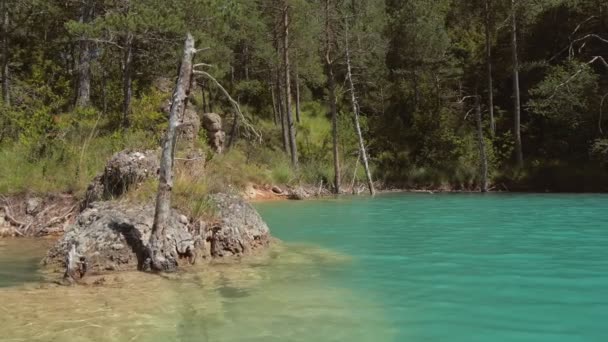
x=146 y=114
x=566 y=94
x=599 y=151
x=412 y=61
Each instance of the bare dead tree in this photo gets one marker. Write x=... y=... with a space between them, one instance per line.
x=516 y=92
x=160 y=258
x=355 y=107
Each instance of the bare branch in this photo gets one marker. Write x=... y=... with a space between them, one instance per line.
x=578 y=72
x=235 y=105
x=202 y=65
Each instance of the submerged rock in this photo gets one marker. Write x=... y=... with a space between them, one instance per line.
x=239 y=230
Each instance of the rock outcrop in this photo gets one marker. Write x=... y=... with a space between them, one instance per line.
x=212 y=123
x=113 y=236
x=189 y=127
x=124 y=170
x=239 y=229
x=298 y=194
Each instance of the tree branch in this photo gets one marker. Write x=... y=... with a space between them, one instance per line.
x=235 y=105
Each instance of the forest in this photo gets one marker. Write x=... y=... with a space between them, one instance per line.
x=430 y=94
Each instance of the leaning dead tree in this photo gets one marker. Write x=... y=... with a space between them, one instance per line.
x=160 y=256
x=355 y=106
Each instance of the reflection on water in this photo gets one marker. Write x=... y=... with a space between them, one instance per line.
x=19 y=260
x=284 y=295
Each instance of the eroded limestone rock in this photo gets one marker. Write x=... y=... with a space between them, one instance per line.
x=212 y=123
x=113 y=236
x=124 y=170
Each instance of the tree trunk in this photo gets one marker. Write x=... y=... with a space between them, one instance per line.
x=127 y=79
x=355 y=105
x=275 y=111
x=233 y=131
x=83 y=93
x=488 y=23
x=297 y=83
x=162 y=259
x=210 y=99
x=6 y=97
x=291 y=129
x=334 y=126
x=483 y=159
x=516 y=95
x=104 y=91
x=282 y=115
x=331 y=87
x=204 y=97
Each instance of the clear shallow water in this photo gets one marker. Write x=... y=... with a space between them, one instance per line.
x=282 y=295
x=467 y=267
x=411 y=267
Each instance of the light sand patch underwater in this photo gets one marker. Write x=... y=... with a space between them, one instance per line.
x=283 y=295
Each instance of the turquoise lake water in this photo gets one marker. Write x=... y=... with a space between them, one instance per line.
x=467 y=267
x=399 y=267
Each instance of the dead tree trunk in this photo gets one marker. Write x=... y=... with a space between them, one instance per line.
x=519 y=157
x=6 y=98
x=75 y=266
x=83 y=92
x=483 y=159
x=355 y=106
x=160 y=258
x=331 y=87
x=291 y=129
x=127 y=79
x=488 y=23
